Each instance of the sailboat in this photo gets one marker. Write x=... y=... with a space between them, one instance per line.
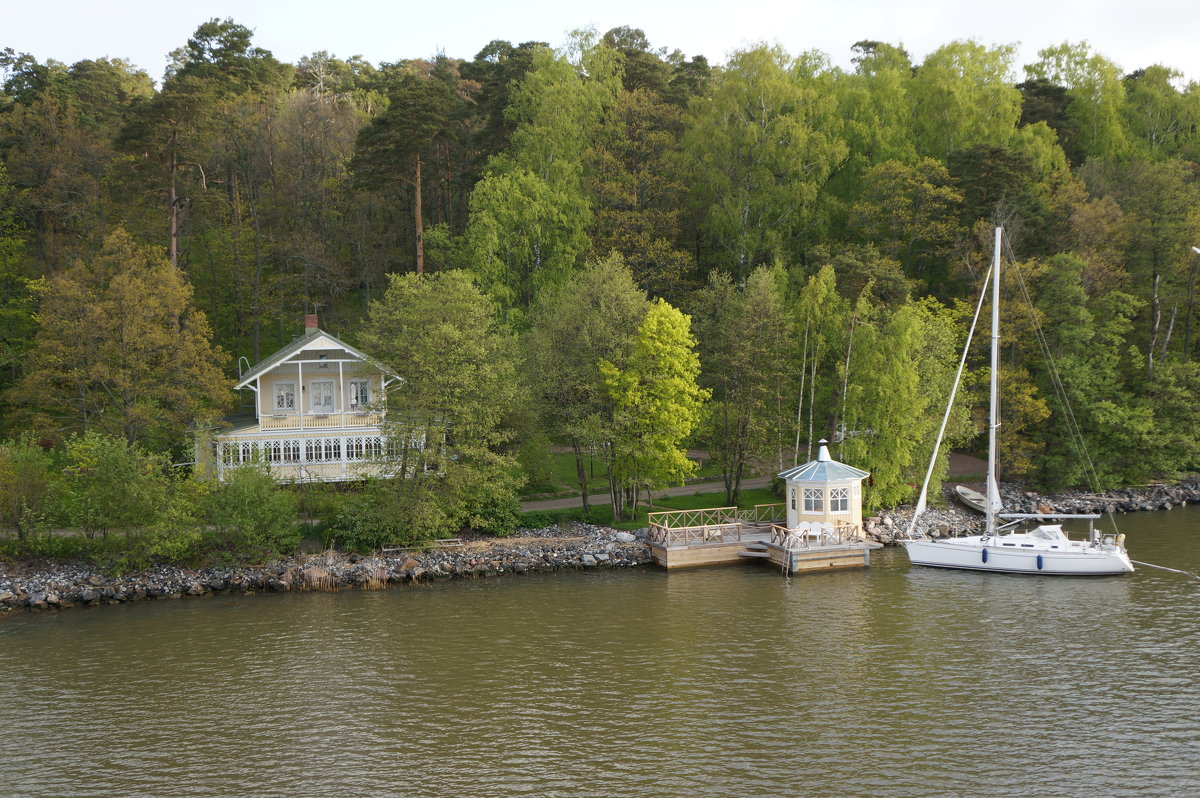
x=1045 y=549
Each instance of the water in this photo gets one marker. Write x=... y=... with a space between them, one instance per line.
x=731 y=681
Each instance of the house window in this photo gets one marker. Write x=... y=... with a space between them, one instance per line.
x=793 y=492
x=814 y=501
x=839 y=500
x=285 y=397
x=321 y=396
x=360 y=394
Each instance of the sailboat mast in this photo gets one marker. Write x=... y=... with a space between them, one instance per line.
x=993 y=490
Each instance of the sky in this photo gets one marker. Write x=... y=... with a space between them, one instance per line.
x=1133 y=35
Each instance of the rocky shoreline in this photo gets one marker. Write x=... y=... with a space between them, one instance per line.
x=45 y=585
x=952 y=516
x=59 y=585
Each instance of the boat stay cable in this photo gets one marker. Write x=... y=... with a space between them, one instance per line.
x=962 y=361
x=1074 y=429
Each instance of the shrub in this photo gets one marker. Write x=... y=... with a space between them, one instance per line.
x=540 y=519
x=379 y=516
x=249 y=512
x=111 y=484
x=26 y=486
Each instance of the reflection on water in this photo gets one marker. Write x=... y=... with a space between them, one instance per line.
x=732 y=681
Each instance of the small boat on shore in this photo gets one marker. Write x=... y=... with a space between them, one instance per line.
x=972 y=498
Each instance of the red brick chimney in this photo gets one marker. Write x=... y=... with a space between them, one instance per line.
x=310 y=324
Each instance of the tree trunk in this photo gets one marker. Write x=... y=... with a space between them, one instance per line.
x=173 y=205
x=419 y=222
x=581 y=473
x=1155 y=322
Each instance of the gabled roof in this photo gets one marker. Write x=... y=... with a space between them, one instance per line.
x=310 y=341
x=823 y=469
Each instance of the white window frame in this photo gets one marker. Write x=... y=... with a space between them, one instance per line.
x=814 y=501
x=839 y=500
x=312 y=396
x=365 y=385
x=275 y=394
x=793 y=491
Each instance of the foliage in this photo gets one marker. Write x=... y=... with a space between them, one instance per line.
x=251 y=514
x=446 y=422
x=122 y=350
x=27 y=486
x=572 y=329
x=110 y=483
x=761 y=145
x=744 y=343
x=656 y=405
x=255 y=191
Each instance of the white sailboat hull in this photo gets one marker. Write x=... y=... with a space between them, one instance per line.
x=1011 y=554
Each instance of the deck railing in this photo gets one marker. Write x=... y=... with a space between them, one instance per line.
x=814 y=534
x=318 y=421
x=709 y=525
x=763 y=513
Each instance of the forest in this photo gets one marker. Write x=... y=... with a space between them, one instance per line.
x=603 y=248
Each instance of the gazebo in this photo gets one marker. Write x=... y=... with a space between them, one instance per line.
x=824 y=496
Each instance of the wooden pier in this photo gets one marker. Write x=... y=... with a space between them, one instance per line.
x=728 y=535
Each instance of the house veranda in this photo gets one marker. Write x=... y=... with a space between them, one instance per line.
x=317 y=413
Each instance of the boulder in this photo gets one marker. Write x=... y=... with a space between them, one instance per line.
x=624 y=537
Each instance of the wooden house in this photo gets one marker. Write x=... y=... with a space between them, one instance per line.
x=317 y=413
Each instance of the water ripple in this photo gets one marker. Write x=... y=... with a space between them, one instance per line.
x=890 y=682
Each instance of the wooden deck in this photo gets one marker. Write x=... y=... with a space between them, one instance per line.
x=727 y=536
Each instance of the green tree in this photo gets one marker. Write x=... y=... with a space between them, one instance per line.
x=529 y=215
x=446 y=426
x=963 y=97
x=911 y=214
x=900 y=361
x=573 y=327
x=1094 y=419
x=423 y=107
x=761 y=143
x=745 y=345
x=656 y=404
x=1096 y=93
x=122 y=351
x=639 y=195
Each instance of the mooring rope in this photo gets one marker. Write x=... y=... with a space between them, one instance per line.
x=1165 y=568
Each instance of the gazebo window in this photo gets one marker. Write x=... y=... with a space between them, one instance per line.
x=793 y=493
x=814 y=500
x=839 y=500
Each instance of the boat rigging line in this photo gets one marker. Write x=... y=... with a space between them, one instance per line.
x=1165 y=568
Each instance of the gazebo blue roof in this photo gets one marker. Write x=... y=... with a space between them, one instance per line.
x=823 y=469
